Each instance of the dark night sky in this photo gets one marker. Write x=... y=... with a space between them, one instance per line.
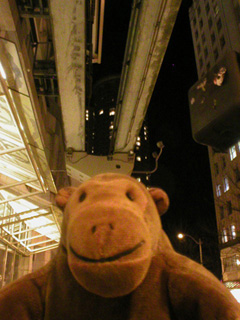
x=184 y=171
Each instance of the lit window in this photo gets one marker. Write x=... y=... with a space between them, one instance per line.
x=233 y=231
x=226 y=184
x=101 y=112
x=87 y=115
x=111 y=127
x=224 y=236
x=139 y=179
x=138 y=143
x=218 y=190
x=138 y=139
x=138 y=158
x=232 y=152
x=111 y=112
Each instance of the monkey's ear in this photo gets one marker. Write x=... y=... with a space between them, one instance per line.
x=160 y=198
x=63 y=195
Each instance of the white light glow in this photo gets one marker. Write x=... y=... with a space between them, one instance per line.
x=180 y=236
x=236 y=294
x=3 y=74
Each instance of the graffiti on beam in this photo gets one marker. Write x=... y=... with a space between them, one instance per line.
x=75 y=47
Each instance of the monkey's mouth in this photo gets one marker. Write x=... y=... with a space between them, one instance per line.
x=108 y=259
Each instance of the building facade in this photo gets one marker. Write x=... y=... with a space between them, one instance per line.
x=215 y=26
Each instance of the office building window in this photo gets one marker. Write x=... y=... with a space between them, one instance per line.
x=213 y=38
x=224 y=236
x=210 y=22
x=222 y=42
x=196 y=35
x=233 y=231
x=229 y=207
x=219 y=25
x=238 y=146
x=199 y=10
x=231 y=263
x=232 y=152
x=216 y=10
x=225 y=184
x=221 y=211
x=205 y=52
x=237 y=174
x=223 y=162
x=207 y=7
x=216 y=168
x=218 y=190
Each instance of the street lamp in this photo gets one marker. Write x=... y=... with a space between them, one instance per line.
x=199 y=243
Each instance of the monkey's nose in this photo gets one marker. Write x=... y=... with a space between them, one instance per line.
x=102 y=228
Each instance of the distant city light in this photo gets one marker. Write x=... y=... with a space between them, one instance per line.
x=138 y=158
x=101 y=112
x=111 y=112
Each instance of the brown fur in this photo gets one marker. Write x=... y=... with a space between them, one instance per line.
x=115 y=262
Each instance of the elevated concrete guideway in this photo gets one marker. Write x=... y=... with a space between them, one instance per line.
x=150 y=28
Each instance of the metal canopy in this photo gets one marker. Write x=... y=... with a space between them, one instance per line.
x=28 y=223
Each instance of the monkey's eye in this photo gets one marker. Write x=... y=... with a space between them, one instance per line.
x=82 y=196
x=129 y=196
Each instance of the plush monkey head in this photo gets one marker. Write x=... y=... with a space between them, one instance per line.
x=111 y=230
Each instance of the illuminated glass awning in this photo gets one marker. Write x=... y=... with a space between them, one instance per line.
x=28 y=223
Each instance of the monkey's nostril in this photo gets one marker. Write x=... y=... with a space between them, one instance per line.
x=94 y=228
x=111 y=226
